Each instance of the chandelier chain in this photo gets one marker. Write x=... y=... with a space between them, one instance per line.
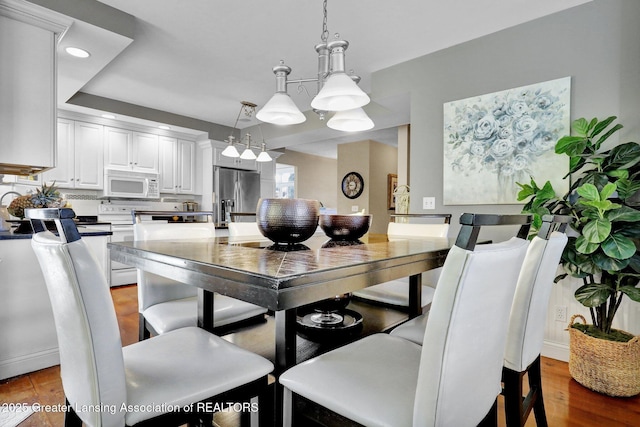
x=325 y=32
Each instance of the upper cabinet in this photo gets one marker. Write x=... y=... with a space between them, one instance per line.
x=131 y=150
x=80 y=156
x=27 y=88
x=177 y=166
x=232 y=162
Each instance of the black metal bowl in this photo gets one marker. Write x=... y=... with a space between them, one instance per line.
x=287 y=221
x=345 y=227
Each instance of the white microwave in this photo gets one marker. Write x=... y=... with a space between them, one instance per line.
x=123 y=184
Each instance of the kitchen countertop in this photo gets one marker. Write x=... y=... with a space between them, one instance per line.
x=82 y=228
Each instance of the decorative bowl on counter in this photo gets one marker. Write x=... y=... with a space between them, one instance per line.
x=287 y=221
x=345 y=227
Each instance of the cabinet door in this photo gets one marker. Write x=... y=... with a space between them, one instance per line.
x=89 y=156
x=63 y=173
x=186 y=166
x=145 y=152
x=117 y=148
x=168 y=163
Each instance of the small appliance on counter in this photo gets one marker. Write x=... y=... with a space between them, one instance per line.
x=4 y=213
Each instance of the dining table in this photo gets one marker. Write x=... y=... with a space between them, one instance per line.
x=283 y=278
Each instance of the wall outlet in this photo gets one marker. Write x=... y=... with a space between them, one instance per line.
x=428 y=203
x=354 y=208
x=561 y=313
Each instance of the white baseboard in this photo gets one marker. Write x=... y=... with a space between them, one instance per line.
x=32 y=362
x=555 y=350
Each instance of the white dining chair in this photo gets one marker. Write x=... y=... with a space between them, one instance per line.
x=527 y=320
x=383 y=380
x=244 y=229
x=396 y=292
x=158 y=381
x=165 y=304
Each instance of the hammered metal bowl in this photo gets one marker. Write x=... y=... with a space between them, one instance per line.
x=287 y=221
x=345 y=227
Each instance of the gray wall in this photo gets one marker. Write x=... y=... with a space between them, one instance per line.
x=597 y=44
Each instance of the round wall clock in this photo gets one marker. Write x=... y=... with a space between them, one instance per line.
x=352 y=185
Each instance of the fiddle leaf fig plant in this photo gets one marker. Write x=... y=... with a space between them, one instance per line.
x=606 y=221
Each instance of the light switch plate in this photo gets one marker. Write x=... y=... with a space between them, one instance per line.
x=428 y=203
x=354 y=208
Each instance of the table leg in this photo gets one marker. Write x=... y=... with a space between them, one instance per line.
x=285 y=354
x=205 y=310
x=415 y=295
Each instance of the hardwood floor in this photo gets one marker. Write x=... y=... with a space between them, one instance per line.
x=567 y=402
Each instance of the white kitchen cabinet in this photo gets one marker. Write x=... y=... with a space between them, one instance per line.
x=28 y=37
x=131 y=150
x=177 y=165
x=232 y=162
x=80 y=156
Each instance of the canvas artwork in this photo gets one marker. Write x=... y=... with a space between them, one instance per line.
x=493 y=141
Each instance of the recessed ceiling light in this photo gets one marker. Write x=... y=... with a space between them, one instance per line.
x=108 y=116
x=77 y=52
x=165 y=127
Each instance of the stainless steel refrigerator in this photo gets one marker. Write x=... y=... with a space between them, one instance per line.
x=235 y=191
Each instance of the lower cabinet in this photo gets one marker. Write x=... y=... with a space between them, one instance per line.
x=28 y=334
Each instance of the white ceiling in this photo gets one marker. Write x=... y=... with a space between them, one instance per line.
x=201 y=58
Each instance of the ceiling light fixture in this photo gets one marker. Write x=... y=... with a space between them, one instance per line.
x=247 y=109
x=337 y=91
x=108 y=116
x=164 y=127
x=77 y=52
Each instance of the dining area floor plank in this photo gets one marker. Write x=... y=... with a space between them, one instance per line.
x=568 y=404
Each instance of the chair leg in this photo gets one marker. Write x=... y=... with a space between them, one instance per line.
x=512 y=392
x=491 y=419
x=535 y=384
x=287 y=408
x=71 y=419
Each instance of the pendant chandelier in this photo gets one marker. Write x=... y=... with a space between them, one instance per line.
x=247 y=109
x=337 y=91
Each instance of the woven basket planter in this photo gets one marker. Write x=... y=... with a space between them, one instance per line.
x=608 y=367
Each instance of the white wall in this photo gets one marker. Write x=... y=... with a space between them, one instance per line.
x=596 y=44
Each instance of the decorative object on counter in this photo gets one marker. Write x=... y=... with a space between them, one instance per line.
x=392 y=184
x=352 y=185
x=337 y=91
x=345 y=227
x=46 y=196
x=287 y=221
x=247 y=108
x=602 y=251
x=493 y=141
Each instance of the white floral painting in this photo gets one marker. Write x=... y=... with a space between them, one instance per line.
x=493 y=141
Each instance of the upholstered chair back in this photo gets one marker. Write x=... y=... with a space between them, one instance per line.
x=459 y=375
x=91 y=363
x=528 y=313
x=154 y=289
x=244 y=229
x=406 y=230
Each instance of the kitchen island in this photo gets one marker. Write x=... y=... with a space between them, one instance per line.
x=28 y=333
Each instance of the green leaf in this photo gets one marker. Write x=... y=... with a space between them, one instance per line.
x=627 y=188
x=589 y=192
x=571 y=145
x=575 y=163
x=622 y=156
x=600 y=126
x=581 y=126
x=607 y=191
x=601 y=205
x=624 y=213
x=585 y=247
x=607 y=135
x=618 y=173
x=618 y=247
x=634 y=263
x=606 y=263
x=631 y=292
x=597 y=231
x=593 y=295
